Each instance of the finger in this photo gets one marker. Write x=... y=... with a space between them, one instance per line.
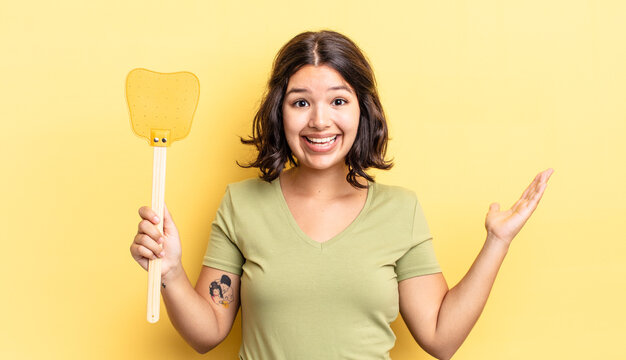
x=141 y=255
x=545 y=175
x=153 y=247
x=518 y=204
x=526 y=196
x=142 y=261
x=533 y=192
x=530 y=206
x=531 y=187
x=541 y=178
x=147 y=213
x=548 y=174
x=142 y=252
x=148 y=228
x=540 y=187
x=525 y=201
x=539 y=194
x=494 y=207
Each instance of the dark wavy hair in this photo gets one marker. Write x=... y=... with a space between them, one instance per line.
x=339 y=52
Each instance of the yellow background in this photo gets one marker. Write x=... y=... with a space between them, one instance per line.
x=480 y=96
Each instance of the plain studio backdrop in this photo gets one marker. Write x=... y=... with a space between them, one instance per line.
x=480 y=96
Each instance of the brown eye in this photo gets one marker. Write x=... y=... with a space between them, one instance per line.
x=300 y=103
x=339 y=102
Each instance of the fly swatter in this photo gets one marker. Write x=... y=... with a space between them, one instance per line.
x=161 y=108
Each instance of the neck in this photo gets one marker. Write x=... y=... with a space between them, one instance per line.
x=327 y=183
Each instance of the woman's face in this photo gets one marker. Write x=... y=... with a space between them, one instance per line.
x=320 y=117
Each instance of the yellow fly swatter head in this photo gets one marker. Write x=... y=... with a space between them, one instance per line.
x=161 y=105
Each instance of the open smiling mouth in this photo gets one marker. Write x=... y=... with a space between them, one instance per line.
x=321 y=141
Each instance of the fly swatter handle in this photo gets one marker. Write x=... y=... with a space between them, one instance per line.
x=158 y=205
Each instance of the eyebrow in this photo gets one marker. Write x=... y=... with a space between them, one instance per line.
x=301 y=90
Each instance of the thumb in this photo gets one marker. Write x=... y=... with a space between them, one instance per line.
x=494 y=207
x=168 y=223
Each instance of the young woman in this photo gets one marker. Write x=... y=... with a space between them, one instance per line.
x=320 y=256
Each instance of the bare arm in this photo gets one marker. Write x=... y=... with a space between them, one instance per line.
x=203 y=319
x=440 y=319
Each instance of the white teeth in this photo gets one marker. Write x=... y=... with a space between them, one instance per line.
x=321 y=140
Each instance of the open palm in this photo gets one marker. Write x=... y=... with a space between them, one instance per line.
x=504 y=225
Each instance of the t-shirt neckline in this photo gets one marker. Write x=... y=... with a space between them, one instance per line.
x=302 y=235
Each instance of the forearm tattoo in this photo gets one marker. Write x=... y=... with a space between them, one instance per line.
x=221 y=292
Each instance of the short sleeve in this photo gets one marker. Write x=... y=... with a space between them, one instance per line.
x=222 y=251
x=420 y=258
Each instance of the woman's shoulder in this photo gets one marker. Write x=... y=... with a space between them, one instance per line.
x=250 y=183
x=394 y=203
x=395 y=197
x=250 y=189
x=394 y=192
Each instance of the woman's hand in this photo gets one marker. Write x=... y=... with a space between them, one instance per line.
x=504 y=225
x=149 y=244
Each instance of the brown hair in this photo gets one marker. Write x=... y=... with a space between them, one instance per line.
x=337 y=51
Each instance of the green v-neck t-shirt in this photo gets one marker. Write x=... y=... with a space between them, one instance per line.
x=302 y=299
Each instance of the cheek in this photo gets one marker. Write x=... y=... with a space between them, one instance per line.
x=288 y=120
x=290 y=130
x=291 y=133
x=293 y=124
x=357 y=119
x=350 y=123
x=351 y=128
x=292 y=143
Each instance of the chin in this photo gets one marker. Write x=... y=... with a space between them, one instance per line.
x=321 y=166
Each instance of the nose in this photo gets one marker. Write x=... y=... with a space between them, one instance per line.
x=319 y=118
